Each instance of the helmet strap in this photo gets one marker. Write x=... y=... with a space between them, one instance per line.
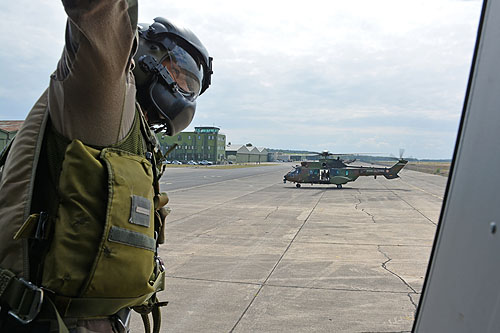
x=151 y=65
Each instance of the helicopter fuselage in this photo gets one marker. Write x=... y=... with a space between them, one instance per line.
x=338 y=173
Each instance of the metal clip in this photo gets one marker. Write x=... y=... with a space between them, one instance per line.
x=41 y=226
x=31 y=299
x=122 y=319
x=160 y=264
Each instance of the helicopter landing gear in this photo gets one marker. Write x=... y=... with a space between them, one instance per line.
x=297 y=185
x=339 y=186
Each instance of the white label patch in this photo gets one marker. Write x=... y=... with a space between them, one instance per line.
x=142 y=210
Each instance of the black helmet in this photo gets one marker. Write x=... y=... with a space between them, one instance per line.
x=172 y=69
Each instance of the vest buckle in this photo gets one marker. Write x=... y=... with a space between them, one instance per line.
x=30 y=303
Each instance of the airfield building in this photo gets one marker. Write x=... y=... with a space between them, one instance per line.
x=8 y=129
x=205 y=143
x=246 y=154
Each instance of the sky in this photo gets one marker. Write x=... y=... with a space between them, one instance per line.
x=359 y=76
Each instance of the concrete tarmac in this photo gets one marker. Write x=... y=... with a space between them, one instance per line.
x=251 y=254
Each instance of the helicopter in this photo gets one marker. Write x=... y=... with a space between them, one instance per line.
x=336 y=171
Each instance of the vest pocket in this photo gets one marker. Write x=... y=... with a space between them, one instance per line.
x=125 y=262
x=103 y=243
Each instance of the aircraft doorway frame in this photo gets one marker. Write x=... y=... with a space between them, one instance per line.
x=460 y=292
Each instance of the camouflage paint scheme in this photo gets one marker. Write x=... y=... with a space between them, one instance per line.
x=335 y=171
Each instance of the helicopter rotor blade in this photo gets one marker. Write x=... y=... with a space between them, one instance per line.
x=323 y=153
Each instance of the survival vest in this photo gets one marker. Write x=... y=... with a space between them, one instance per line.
x=100 y=248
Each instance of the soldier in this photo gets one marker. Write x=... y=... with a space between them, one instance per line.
x=80 y=209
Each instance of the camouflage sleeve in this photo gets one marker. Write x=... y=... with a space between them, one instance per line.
x=92 y=91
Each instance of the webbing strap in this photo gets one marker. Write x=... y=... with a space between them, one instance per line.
x=5 y=277
x=94 y=307
x=53 y=311
x=24 y=300
x=154 y=309
x=155 y=152
x=156 y=313
x=132 y=238
x=98 y=307
x=146 y=322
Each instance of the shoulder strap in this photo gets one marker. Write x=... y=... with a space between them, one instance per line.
x=16 y=187
x=149 y=136
x=153 y=154
x=24 y=301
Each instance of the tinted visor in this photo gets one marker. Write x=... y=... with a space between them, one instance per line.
x=186 y=72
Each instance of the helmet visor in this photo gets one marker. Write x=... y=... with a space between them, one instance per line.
x=186 y=72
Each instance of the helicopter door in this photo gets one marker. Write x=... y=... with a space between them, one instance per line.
x=324 y=175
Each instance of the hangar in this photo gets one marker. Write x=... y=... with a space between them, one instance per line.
x=246 y=153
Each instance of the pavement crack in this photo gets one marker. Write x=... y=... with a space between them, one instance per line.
x=363 y=210
x=272 y=212
x=384 y=266
x=412 y=301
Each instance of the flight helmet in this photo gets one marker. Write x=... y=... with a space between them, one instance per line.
x=172 y=68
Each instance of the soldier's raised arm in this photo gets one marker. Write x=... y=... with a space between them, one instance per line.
x=81 y=211
x=92 y=93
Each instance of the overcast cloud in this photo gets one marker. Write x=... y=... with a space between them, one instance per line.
x=347 y=76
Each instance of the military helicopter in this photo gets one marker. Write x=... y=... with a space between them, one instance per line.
x=336 y=171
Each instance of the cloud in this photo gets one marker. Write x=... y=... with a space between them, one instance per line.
x=285 y=69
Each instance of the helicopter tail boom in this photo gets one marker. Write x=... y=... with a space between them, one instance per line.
x=393 y=171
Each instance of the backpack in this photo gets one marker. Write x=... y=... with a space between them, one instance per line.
x=100 y=251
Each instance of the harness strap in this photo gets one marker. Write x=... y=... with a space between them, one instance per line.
x=146 y=322
x=156 y=313
x=98 y=307
x=93 y=307
x=25 y=300
x=54 y=313
x=154 y=309
x=22 y=297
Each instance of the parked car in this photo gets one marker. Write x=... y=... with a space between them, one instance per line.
x=205 y=162
x=176 y=162
x=192 y=163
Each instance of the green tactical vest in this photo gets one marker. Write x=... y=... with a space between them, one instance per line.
x=85 y=231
